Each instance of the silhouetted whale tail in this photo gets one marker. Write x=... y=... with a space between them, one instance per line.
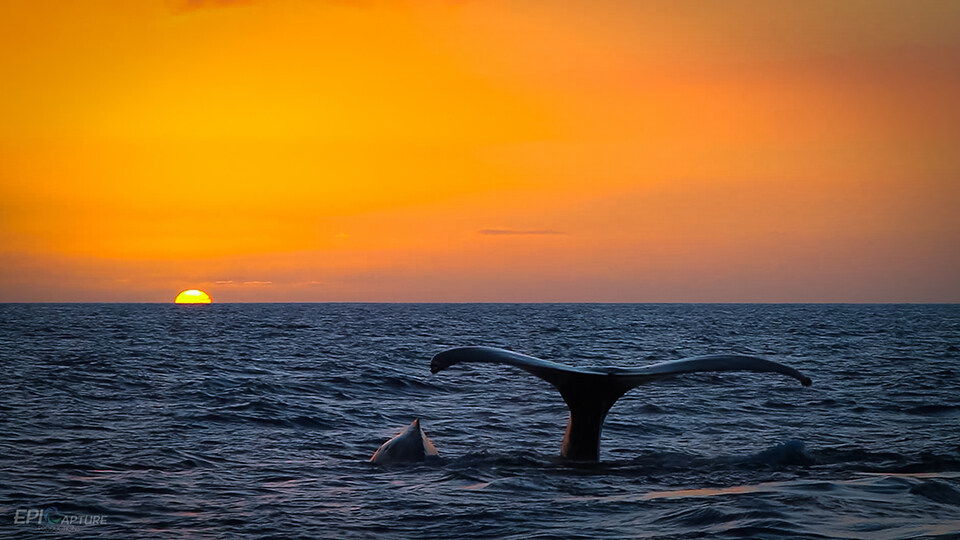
x=590 y=392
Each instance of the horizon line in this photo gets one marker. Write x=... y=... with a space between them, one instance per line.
x=585 y=302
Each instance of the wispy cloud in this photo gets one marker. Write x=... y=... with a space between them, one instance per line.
x=224 y=282
x=181 y=6
x=519 y=231
x=258 y=283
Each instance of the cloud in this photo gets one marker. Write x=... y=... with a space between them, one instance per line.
x=258 y=283
x=224 y=282
x=518 y=231
x=182 y=6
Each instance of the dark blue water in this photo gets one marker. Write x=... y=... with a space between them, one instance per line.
x=257 y=420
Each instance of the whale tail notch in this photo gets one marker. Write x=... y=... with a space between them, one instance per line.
x=590 y=392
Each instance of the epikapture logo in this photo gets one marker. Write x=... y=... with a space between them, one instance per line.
x=52 y=518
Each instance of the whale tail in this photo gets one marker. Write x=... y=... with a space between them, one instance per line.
x=591 y=392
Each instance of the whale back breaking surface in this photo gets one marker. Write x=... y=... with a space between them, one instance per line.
x=590 y=392
x=410 y=446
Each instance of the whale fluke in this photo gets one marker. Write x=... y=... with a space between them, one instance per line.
x=409 y=446
x=590 y=392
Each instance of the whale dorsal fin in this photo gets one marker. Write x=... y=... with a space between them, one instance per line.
x=590 y=392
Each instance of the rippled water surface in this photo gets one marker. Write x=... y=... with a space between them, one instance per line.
x=228 y=420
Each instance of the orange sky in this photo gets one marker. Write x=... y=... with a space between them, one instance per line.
x=543 y=150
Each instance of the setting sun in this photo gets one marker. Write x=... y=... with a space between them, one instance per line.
x=193 y=296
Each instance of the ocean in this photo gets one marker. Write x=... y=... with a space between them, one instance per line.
x=258 y=420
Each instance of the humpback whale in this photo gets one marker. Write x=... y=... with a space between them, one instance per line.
x=590 y=392
x=409 y=446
